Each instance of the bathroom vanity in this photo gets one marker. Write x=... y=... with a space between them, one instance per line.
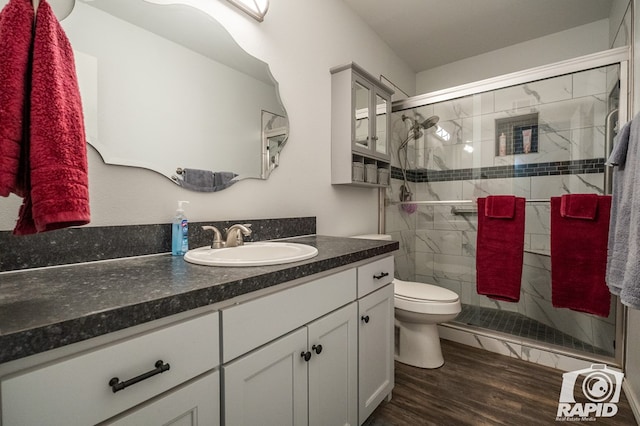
x=155 y=340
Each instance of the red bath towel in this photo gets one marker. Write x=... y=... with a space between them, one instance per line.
x=500 y=247
x=16 y=24
x=59 y=190
x=579 y=206
x=500 y=206
x=579 y=257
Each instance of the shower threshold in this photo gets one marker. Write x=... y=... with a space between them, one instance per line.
x=516 y=324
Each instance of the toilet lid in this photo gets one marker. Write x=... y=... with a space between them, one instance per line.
x=420 y=291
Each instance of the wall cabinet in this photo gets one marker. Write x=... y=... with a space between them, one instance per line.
x=360 y=123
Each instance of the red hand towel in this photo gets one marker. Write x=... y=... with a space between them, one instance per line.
x=500 y=251
x=16 y=25
x=579 y=259
x=59 y=191
x=500 y=206
x=579 y=206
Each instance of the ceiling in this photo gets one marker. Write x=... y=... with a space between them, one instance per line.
x=430 y=33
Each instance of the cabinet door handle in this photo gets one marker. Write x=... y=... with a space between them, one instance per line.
x=317 y=348
x=381 y=276
x=306 y=356
x=365 y=318
x=117 y=385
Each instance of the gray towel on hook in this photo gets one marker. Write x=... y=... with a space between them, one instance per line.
x=206 y=180
x=623 y=256
x=199 y=178
x=223 y=178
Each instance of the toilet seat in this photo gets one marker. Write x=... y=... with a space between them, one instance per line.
x=425 y=298
x=423 y=292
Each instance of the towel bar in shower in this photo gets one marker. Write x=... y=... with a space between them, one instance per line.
x=464 y=210
x=440 y=202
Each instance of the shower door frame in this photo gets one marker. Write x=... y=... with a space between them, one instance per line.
x=618 y=56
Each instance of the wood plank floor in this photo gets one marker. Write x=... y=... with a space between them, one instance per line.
x=477 y=387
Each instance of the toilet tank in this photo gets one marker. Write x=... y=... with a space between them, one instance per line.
x=384 y=237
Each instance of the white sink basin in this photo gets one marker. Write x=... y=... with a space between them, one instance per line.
x=252 y=254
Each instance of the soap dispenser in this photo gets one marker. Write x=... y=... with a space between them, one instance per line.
x=180 y=232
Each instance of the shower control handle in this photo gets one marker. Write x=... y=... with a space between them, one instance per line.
x=381 y=276
x=365 y=318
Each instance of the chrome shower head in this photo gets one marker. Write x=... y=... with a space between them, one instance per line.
x=430 y=122
x=417 y=127
x=426 y=124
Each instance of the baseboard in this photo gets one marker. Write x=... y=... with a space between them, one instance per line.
x=633 y=399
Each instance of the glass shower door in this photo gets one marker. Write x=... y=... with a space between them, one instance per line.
x=537 y=139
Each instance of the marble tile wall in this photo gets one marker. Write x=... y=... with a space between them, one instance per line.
x=438 y=247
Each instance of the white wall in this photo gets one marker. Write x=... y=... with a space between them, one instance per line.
x=556 y=47
x=619 y=20
x=301 y=40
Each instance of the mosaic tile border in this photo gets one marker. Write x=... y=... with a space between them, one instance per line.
x=593 y=165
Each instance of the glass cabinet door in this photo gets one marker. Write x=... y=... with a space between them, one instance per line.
x=362 y=97
x=381 y=125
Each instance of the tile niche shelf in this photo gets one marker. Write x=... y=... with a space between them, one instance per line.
x=360 y=119
x=516 y=135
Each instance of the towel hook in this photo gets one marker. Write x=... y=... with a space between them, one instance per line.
x=61 y=8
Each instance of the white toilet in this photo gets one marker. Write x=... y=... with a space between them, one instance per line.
x=419 y=308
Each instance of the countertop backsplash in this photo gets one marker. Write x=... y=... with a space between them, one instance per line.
x=86 y=244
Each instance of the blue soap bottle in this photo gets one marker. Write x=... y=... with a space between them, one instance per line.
x=180 y=232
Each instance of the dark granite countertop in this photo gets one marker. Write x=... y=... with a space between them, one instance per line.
x=46 y=308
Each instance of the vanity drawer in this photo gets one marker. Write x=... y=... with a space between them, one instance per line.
x=256 y=322
x=76 y=390
x=374 y=275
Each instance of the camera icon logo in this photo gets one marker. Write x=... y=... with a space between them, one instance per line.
x=599 y=384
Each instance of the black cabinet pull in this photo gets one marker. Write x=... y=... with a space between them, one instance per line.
x=317 y=348
x=306 y=355
x=117 y=385
x=381 y=276
x=365 y=318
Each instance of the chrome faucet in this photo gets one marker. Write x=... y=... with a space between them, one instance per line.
x=217 y=237
x=234 y=235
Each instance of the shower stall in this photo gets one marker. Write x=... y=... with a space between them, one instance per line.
x=534 y=134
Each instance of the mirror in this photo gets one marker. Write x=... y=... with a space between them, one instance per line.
x=166 y=88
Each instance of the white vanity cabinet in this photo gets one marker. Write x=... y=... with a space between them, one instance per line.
x=327 y=366
x=375 y=335
x=306 y=373
x=314 y=351
x=195 y=404
x=360 y=126
x=174 y=363
x=306 y=377
x=375 y=361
